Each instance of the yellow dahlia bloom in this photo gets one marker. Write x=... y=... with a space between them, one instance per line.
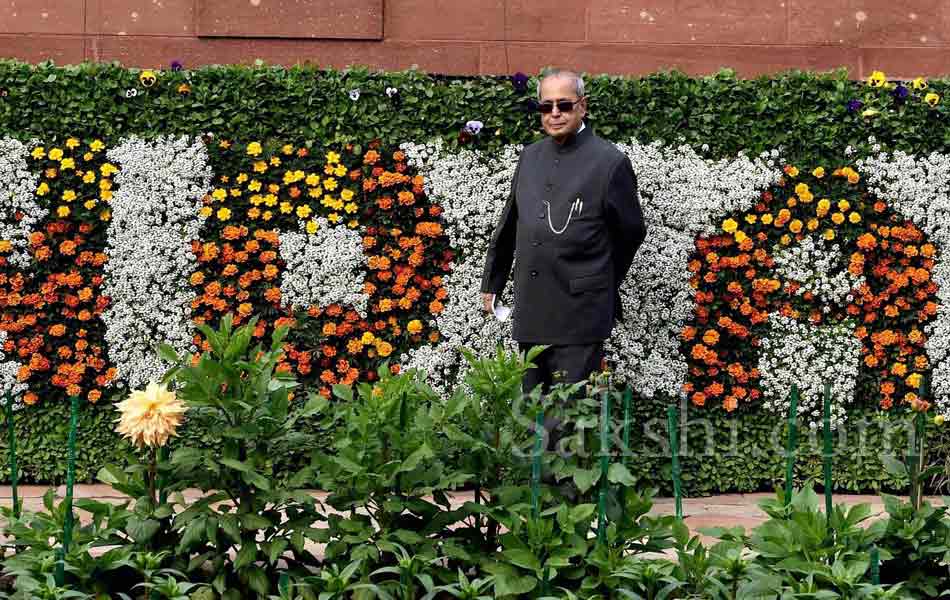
x=149 y=417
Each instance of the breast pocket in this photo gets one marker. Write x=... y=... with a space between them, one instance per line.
x=589 y=283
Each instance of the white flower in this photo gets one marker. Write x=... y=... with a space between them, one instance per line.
x=355 y=94
x=474 y=127
x=391 y=91
x=160 y=184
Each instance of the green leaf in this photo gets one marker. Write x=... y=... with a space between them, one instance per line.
x=618 y=473
x=585 y=479
x=246 y=555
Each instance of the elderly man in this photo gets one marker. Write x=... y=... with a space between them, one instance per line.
x=573 y=221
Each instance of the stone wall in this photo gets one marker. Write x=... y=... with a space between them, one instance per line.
x=904 y=38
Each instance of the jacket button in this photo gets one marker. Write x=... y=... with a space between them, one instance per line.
x=541 y=215
x=534 y=273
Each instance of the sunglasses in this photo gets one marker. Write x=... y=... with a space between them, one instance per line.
x=564 y=106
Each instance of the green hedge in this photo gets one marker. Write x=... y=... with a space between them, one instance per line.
x=806 y=114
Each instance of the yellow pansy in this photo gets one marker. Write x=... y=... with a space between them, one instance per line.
x=205 y=212
x=270 y=200
x=819 y=172
x=286 y=207
x=303 y=211
x=106 y=194
x=932 y=99
x=334 y=218
x=339 y=171
x=751 y=218
x=837 y=218
x=767 y=219
x=287 y=149
x=312 y=227
x=347 y=194
x=38 y=152
x=855 y=217
x=740 y=236
x=241 y=178
x=785 y=240
x=254 y=213
x=275 y=161
x=219 y=194
x=260 y=166
x=235 y=192
x=89 y=177
x=72 y=143
x=829 y=234
x=55 y=154
x=267 y=215
x=368 y=337
x=844 y=205
x=96 y=145
x=43 y=189
x=69 y=196
x=108 y=169
x=729 y=226
x=224 y=213
x=315 y=192
x=312 y=179
x=353 y=224
x=68 y=163
x=90 y=204
x=254 y=149
x=105 y=215
x=254 y=186
x=919 y=83
x=87 y=156
x=795 y=226
x=329 y=184
x=350 y=207
x=812 y=224
x=63 y=211
x=877 y=79
x=333 y=157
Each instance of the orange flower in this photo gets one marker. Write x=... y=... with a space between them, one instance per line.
x=699 y=399
x=57 y=330
x=711 y=337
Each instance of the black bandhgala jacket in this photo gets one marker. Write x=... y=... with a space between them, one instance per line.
x=567 y=284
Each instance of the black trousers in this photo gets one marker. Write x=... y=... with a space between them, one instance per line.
x=560 y=364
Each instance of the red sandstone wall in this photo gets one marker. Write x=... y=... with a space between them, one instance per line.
x=904 y=38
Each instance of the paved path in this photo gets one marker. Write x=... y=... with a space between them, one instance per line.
x=726 y=510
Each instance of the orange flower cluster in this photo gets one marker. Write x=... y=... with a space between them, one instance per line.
x=737 y=287
x=51 y=313
x=373 y=190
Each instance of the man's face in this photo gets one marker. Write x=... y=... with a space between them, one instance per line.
x=559 y=124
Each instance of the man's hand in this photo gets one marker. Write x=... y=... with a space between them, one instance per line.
x=488 y=302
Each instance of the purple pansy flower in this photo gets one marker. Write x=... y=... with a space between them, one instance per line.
x=176 y=65
x=900 y=92
x=520 y=82
x=473 y=127
x=854 y=105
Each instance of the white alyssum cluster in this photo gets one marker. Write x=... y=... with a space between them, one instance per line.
x=326 y=267
x=820 y=267
x=10 y=386
x=918 y=187
x=472 y=189
x=808 y=356
x=683 y=195
x=160 y=185
x=17 y=189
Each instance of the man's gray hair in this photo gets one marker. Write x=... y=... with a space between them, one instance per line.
x=567 y=74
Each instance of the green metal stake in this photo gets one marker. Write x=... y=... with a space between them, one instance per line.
x=283 y=585
x=70 y=473
x=875 y=566
x=827 y=455
x=627 y=397
x=792 y=444
x=13 y=466
x=536 y=465
x=672 y=419
x=604 y=468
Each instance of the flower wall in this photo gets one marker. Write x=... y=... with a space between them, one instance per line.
x=784 y=246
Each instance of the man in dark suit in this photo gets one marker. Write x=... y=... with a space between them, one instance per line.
x=573 y=221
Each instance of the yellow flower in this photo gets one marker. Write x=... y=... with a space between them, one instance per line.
x=275 y=161
x=205 y=212
x=219 y=194
x=347 y=195
x=254 y=186
x=268 y=215
x=819 y=172
x=90 y=204
x=260 y=166
x=55 y=154
x=414 y=326
x=87 y=156
x=105 y=184
x=801 y=188
x=6 y=246
x=350 y=208
x=353 y=224
x=855 y=217
x=312 y=226
x=913 y=380
x=38 y=152
x=303 y=211
x=812 y=224
x=740 y=236
x=329 y=184
x=106 y=215
x=333 y=157
x=767 y=219
x=829 y=234
x=368 y=337
x=837 y=218
x=96 y=145
x=877 y=79
x=843 y=205
x=254 y=149
x=62 y=211
x=108 y=169
x=254 y=213
x=312 y=179
x=68 y=163
x=72 y=143
x=870 y=112
x=43 y=189
x=106 y=195
x=806 y=198
x=752 y=218
x=919 y=83
x=286 y=207
x=241 y=178
x=785 y=240
x=287 y=149
x=795 y=226
x=224 y=213
x=149 y=417
x=340 y=171
x=932 y=99
x=334 y=218
x=792 y=171
x=384 y=348
x=729 y=226
x=89 y=177
x=939 y=420
x=69 y=196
